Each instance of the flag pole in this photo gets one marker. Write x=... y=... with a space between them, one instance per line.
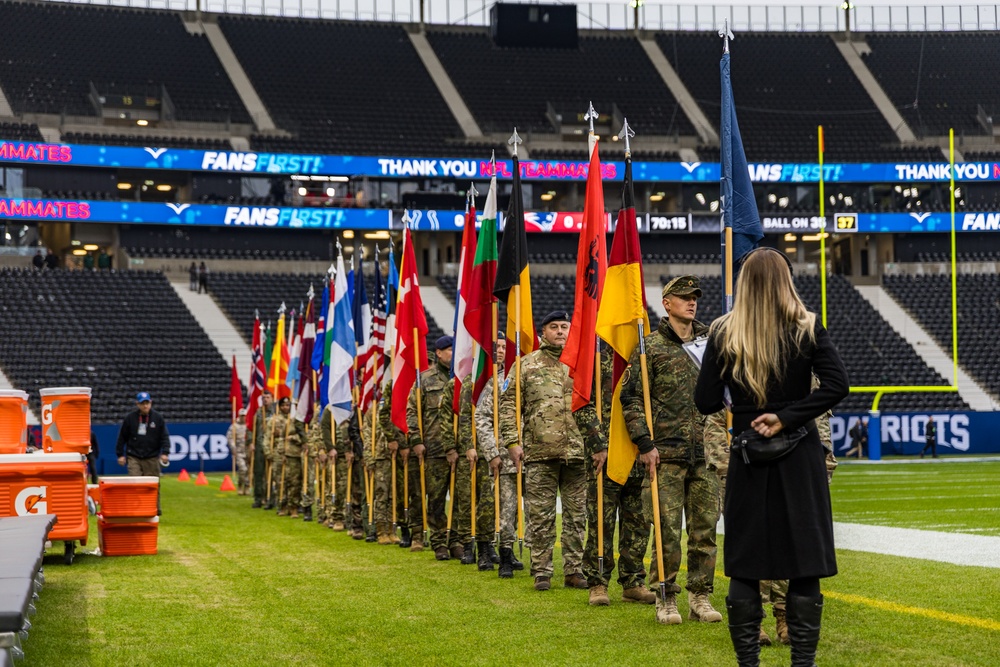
x=591 y=116
x=514 y=141
x=420 y=425
x=472 y=465
x=626 y=133
x=496 y=422
x=822 y=231
x=253 y=430
x=233 y=400
x=727 y=225
x=276 y=374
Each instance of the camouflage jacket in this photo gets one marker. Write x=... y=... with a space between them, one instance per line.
x=236 y=436
x=466 y=432
x=261 y=433
x=436 y=392
x=289 y=435
x=549 y=430
x=385 y=423
x=486 y=443
x=342 y=432
x=679 y=430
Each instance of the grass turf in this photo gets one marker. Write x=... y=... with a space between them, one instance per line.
x=235 y=586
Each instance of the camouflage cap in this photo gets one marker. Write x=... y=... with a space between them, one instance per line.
x=683 y=286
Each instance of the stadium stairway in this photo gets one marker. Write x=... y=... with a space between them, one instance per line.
x=926 y=347
x=439 y=307
x=699 y=120
x=445 y=86
x=6 y=384
x=220 y=330
x=241 y=82
x=852 y=50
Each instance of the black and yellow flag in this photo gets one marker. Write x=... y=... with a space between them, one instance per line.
x=512 y=271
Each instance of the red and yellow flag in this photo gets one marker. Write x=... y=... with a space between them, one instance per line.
x=278 y=372
x=591 y=267
x=623 y=307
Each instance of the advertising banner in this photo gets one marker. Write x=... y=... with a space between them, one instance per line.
x=905 y=432
x=191 y=445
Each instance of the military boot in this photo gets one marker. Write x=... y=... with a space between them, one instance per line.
x=338 y=526
x=639 y=594
x=371 y=535
x=357 y=533
x=495 y=557
x=763 y=638
x=283 y=511
x=744 y=625
x=484 y=557
x=666 y=610
x=441 y=553
x=307 y=513
x=514 y=562
x=269 y=505
x=295 y=513
x=805 y=615
x=506 y=563
x=700 y=609
x=404 y=537
x=599 y=596
x=781 y=625
x=393 y=537
x=458 y=552
x=257 y=504
x=469 y=557
x=383 y=533
x=416 y=545
x=575 y=580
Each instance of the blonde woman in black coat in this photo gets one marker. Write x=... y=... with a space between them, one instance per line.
x=779 y=524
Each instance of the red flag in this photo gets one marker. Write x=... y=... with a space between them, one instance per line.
x=257 y=372
x=235 y=391
x=591 y=266
x=411 y=355
x=461 y=358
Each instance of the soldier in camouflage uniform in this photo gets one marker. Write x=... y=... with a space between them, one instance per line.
x=397 y=449
x=438 y=448
x=553 y=453
x=260 y=421
x=310 y=458
x=495 y=466
x=387 y=438
x=461 y=522
x=236 y=436
x=677 y=448
x=354 y=455
x=621 y=501
x=289 y=437
x=333 y=453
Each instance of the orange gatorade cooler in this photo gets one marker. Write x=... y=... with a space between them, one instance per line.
x=123 y=497
x=128 y=537
x=47 y=484
x=66 y=419
x=13 y=421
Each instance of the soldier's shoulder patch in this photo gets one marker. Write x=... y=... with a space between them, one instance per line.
x=505 y=384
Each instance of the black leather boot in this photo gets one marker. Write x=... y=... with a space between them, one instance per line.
x=506 y=563
x=404 y=537
x=469 y=555
x=514 y=562
x=804 y=616
x=257 y=504
x=494 y=556
x=307 y=513
x=485 y=563
x=744 y=629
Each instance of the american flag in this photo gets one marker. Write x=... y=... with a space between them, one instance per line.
x=373 y=378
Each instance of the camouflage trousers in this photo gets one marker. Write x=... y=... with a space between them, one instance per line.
x=239 y=453
x=259 y=474
x=774 y=593
x=624 y=503
x=383 y=491
x=292 y=483
x=486 y=527
x=277 y=464
x=461 y=503
x=416 y=499
x=543 y=482
x=688 y=490
x=309 y=497
x=438 y=480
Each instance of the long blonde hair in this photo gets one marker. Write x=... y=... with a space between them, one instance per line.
x=767 y=324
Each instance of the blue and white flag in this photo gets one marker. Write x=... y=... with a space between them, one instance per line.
x=342 y=346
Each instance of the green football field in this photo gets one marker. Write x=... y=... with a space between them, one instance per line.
x=235 y=586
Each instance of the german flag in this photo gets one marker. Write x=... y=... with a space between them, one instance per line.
x=623 y=306
x=512 y=272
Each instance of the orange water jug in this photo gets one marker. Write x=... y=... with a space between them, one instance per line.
x=13 y=421
x=66 y=419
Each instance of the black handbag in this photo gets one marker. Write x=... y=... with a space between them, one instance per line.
x=756 y=448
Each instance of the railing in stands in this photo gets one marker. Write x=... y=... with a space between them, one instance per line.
x=618 y=15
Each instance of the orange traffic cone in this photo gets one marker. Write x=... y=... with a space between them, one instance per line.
x=201 y=480
x=227 y=484
x=183 y=476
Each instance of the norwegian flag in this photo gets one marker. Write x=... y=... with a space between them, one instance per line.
x=376 y=356
x=257 y=371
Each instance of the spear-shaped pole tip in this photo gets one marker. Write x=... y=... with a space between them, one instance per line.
x=626 y=134
x=473 y=192
x=726 y=34
x=281 y=308
x=591 y=116
x=514 y=140
x=311 y=293
x=406 y=219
